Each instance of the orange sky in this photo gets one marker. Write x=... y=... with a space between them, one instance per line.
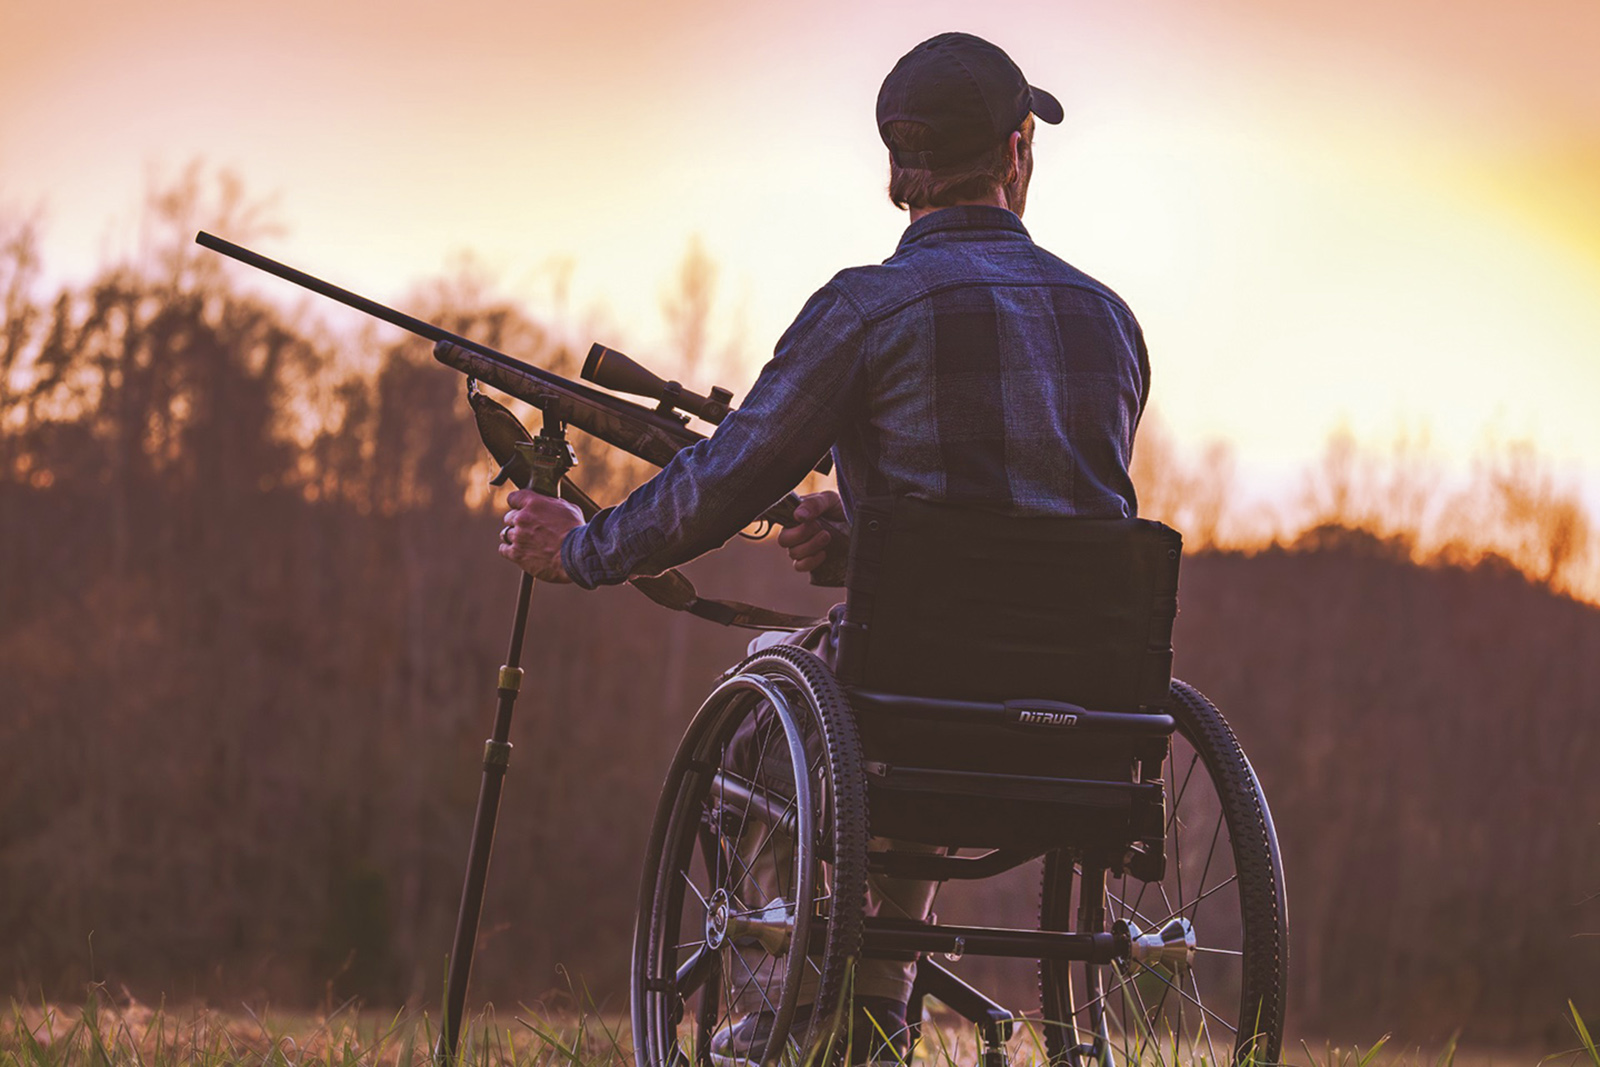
x=1377 y=214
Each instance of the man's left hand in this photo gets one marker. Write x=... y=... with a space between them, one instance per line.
x=534 y=527
x=808 y=540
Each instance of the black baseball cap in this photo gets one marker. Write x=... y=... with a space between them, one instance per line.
x=964 y=89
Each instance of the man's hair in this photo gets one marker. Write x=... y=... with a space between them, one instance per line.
x=976 y=178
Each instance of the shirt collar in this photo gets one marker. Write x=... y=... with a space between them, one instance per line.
x=963 y=217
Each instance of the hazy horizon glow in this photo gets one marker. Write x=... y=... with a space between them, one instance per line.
x=1372 y=215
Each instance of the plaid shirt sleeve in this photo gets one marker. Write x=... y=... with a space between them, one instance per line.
x=712 y=490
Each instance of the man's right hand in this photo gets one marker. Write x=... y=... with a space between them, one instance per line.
x=807 y=541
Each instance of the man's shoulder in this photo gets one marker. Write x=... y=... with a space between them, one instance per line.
x=879 y=290
x=1066 y=274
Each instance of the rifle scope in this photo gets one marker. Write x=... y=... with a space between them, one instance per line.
x=610 y=369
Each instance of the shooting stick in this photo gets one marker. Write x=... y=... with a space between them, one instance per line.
x=550 y=457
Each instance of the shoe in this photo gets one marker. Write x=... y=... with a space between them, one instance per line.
x=744 y=1043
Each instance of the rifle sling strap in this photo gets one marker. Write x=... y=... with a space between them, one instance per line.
x=672 y=590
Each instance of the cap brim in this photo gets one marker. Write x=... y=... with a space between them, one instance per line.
x=1045 y=106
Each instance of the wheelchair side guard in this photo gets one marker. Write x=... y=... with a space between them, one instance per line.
x=1038 y=737
x=1017 y=776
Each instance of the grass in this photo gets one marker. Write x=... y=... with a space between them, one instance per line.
x=100 y=1033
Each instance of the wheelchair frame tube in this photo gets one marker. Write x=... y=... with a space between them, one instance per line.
x=899 y=937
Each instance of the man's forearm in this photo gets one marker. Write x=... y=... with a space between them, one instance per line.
x=690 y=508
x=712 y=490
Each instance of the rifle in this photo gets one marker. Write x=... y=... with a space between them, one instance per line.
x=654 y=435
x=542 y=463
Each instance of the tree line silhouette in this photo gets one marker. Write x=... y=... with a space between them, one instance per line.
x=250 y=615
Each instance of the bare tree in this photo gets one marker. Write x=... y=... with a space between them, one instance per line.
x=1540 y=523
x=687 y=304
x=1337 y=492
x=1196 y=498
x=19 y=274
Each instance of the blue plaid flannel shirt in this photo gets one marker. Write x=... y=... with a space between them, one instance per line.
x=972 y=366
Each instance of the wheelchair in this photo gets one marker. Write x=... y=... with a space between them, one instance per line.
x=1001 y=695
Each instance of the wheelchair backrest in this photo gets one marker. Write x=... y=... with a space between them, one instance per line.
x=960 y=604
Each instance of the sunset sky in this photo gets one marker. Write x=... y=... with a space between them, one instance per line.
x=1384 y=215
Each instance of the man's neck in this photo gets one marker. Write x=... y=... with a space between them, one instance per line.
x=998 y=199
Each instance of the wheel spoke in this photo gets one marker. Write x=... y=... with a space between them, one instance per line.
x=748 y=865
x=695 y=889
x=1177 y=850
x=753 y=982
x=1194 y=980
x=727 y=850
x=723 y=866
x=1180 y=991
x=1160 y=1007
x=1135 y=912
x=1205 y=870
x=1168 y=902
x=1172 y=820
x=1148 y=1017
x=694 y=971
x=1232 y=878
x=765 y=741
x=1126 y=978
x=1177 y=801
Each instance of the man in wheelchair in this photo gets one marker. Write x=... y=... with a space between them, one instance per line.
x=971 y=379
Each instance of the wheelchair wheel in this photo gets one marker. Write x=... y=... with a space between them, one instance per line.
x=749 y=917
x=1221 y=893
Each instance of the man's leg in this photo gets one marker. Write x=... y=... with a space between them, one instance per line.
x=897 y=898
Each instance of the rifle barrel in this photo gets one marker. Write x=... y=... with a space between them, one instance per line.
x=333 y=292
x=538 y=375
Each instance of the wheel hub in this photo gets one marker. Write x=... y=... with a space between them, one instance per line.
x=1174 y=944
x=771 y=927
x=717 y=915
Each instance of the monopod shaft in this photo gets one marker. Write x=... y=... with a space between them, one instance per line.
x=496 y=758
